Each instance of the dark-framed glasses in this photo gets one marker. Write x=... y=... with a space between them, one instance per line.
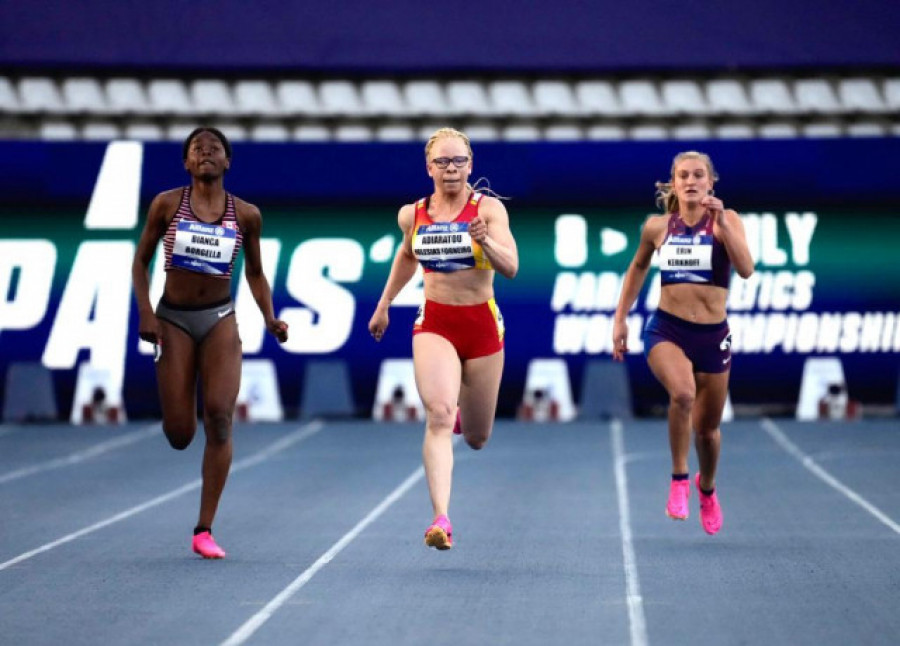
x=444 y=162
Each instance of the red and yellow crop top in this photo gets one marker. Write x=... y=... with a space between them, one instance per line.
x=447 y=246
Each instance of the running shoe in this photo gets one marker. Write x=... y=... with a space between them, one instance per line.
x=677 y=506
x=440 y=534
x=457 y=426
x=710 y=511
x=205 y=546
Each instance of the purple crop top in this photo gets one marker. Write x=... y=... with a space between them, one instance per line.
x=691 y=254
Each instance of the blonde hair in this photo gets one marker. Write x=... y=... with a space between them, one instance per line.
x=444 y=133
x=665 y=196
x=482 y=185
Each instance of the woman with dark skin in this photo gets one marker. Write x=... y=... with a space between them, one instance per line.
x=193 y=327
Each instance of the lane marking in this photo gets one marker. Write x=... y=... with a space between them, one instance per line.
x=636 y=621
x=81 y=456
x=301 y=434
x=253 y=624
x=809 y=463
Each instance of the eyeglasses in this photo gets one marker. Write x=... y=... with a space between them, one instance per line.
x=444 y=162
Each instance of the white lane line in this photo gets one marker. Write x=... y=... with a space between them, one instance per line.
x=128 y=513
x=253 y=624
x=809 y=463
x=81 y=456
x=299 y=435
x=636 y=619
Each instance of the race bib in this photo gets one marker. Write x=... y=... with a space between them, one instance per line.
x=687 y=259
x=444 y=246
x=204 y=248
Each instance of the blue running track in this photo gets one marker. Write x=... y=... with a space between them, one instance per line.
x=560 y=538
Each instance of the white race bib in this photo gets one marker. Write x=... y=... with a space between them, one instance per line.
x=204 y=248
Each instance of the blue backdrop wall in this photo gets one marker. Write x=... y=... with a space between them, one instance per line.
x=820 y=216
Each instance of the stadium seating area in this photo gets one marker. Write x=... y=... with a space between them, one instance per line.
x=89 y=108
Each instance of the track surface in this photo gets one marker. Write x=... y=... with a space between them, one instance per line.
x=560 y=538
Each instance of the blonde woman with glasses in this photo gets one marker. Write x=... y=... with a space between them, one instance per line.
x=461 y=237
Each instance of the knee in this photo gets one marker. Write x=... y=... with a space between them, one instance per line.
x=440 y=416
x=476 y=443
x=179 y=436
x=706 y=433
x=218 y=427
x=682 y=401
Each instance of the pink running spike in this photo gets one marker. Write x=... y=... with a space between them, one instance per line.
x=440 y=533
x=677 y=506
x=457 y=426
x=205 y=546
x=710 y=511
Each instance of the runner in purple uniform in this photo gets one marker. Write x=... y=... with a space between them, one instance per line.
x=687 y=341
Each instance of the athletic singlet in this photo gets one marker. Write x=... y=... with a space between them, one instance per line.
x=691 y=254
x=447 y=246
x=194 y=245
